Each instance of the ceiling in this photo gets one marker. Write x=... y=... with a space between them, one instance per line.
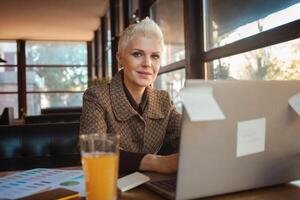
x=50 y=19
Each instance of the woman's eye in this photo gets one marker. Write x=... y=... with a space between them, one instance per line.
x=155 y=57
x=136 y=54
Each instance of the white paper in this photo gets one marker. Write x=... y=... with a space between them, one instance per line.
x=200 y=104
x=251 y=136
x=294 y=102
x=132 y=180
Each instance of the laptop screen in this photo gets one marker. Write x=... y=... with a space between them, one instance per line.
x=254 y=146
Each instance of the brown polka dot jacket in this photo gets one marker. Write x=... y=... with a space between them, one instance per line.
x=107 y=109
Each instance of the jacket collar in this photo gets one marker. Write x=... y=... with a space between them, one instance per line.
x=121 y=106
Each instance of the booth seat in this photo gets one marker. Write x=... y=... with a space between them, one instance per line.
x=57 y=110
x=52 y=118
x=7 y=116
x=39 y=145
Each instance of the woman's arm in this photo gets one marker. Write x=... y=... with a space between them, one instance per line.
x=158 y=163
x=167 y=161
x=171 y=140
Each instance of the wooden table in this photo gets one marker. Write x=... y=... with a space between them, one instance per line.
x=290 y=191
x=281 y=192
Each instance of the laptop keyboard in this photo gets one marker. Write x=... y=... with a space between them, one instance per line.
x=168 y=185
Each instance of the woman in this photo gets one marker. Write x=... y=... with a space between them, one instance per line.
x=144 y=117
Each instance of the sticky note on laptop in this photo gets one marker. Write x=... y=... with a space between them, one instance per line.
x=294 y=102
x=251 y=136
x=131 y=181
x=200 y=104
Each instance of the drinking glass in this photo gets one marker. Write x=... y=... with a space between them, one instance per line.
x=100 y=160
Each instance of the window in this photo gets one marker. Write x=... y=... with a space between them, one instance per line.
x=169 y=16
x=228 y=21
x=108 y=47
x=172 y=82
x=243 y=32
x=276 y=62
x=51 y=78
x=56 y=74
x=8 y=76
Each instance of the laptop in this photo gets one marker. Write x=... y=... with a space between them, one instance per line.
x=256 y=145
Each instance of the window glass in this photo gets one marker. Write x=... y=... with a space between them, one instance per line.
x=56 y=53
x=228 y=21
x=108 y=46
x=172 y=82
x=9 y=100
x=38 y=101
x=277 y=62
x=8 y=76
x=57 y=74
x=56 y=78
x=8 y=79
x=169 y=15
x=8 y=52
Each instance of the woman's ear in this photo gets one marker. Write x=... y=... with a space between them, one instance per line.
x=118 y=56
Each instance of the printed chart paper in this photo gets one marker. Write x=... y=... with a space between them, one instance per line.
x=32 y=181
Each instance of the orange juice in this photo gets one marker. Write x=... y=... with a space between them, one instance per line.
x=101 y=173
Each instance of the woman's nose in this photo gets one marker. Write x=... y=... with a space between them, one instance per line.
x=147 y=61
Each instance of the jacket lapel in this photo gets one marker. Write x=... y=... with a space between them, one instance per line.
x=121 y=106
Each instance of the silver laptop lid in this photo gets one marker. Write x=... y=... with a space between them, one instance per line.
x=213 y=159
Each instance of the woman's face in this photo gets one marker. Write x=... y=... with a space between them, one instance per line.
x=141 y=61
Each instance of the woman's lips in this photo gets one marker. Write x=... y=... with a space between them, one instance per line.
x=144 y=73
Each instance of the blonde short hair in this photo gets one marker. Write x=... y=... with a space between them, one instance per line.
x=147 y=28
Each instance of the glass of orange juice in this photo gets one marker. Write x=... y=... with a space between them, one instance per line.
x=100 y=160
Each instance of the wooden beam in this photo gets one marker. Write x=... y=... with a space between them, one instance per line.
x=103 y=46
x=114 y=26
x=127 y=12
x=21 y=62
x=172 y=67
x=90 y=60
x=97 y=52
x=194 y=39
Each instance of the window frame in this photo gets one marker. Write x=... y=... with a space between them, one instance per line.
x=88 y=65
x=196 y=56
x=277 y=35
x=11 y=92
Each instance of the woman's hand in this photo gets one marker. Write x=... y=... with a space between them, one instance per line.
x=161 y=164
